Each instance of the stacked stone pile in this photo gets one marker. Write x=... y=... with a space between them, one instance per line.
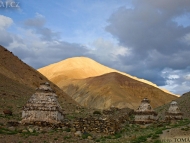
x=122 y=119
x=110 y=111
x=173 y=112
x=43 y=107
x=107 y=126
x=145 y=114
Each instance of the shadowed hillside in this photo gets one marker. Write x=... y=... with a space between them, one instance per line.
x=114 y=89
x=18 y=82
x=183 y=103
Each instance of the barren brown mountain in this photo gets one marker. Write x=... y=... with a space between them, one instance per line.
x=94 y=85
x=80 y=68
x=18 y=82
x=114 y=89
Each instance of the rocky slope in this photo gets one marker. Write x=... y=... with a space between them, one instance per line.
x=114 y=89
x=183 y=103
x=18 y=82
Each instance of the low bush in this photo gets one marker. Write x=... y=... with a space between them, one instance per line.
x=158 y=132
x=157 y=141
x=155 y=136
x=117 y=135
x=67 y=137
x=85 y=135
x=140 y=139
x=67 y=129
x=7 y=131
x=97 y=112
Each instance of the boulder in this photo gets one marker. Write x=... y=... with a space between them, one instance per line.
x=78 y=133
x=30 y=130
x=8 y=112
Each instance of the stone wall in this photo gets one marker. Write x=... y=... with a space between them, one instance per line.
x=107 y=126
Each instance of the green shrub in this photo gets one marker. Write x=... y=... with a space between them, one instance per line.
x=67 y=129
x=155 y=136
x=140 y=139
x=132 y=117
x=97 y=112
x=185 y=129
x=7 y=131
x=85 y=135
x=108 y=137
x=158 y=132
x=71 y=117
x=67 y=137
x=117 y=135
x=149 y=135
x=157 y=141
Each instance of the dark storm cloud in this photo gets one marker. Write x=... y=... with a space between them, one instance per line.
x=38 y=57
x=155 y=38
x=153 y=75
x=55 y=53
x=48 y=53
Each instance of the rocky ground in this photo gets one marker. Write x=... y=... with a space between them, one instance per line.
x=10 y=132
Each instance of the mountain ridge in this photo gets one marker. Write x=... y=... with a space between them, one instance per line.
x=82 y=67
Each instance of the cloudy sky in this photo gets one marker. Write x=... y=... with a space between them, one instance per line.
x=145 y=38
